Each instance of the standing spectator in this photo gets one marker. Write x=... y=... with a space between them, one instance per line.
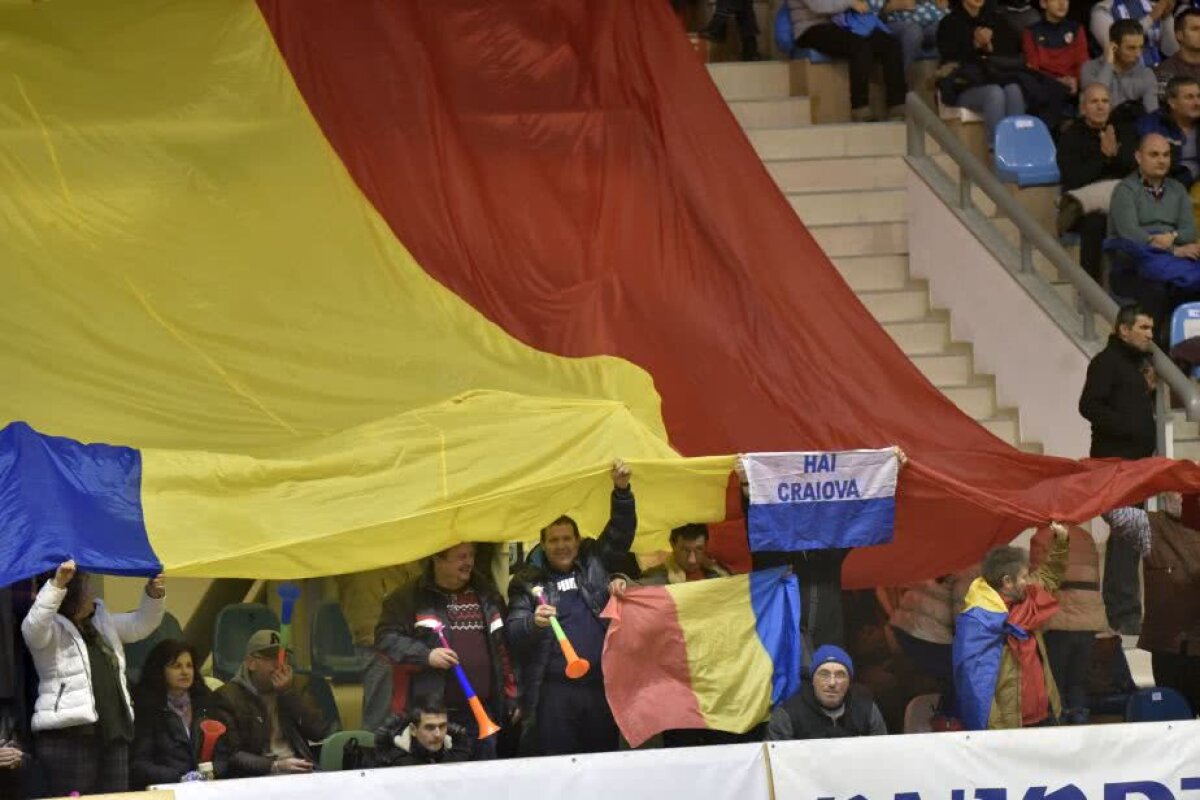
x=828 y=706
x=742 y=12
x=1186 y=62
x=814 y=26
x=19 y=777
x=1153 y=15
x=1071 y=632
x=83 y=717
x=689 y=559
x=913 y=22
x=1056 y=46
x=269 y=717
x=977 y=54
x=1171 y=628
x=570 y=716
x=1177 y=124
x=1121 y=69
x=425 y=736
x=170 y=701
x=1094 y=154
x=1118 y=402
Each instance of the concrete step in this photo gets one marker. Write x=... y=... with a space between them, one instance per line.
x=871 y=239
x=951 y=368
x=897 y=305
x=829 y=141
x=976 y=400
x=1188 y=448
x=1185 y=428
x=833 y=208
x=929 y=336
x=756 y=80
x=787 y=112
x=838 y=174
x=1002 y=427
x=873 y=273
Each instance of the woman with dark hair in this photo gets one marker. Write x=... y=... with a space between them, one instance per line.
x=82 y=718
x=170 y=702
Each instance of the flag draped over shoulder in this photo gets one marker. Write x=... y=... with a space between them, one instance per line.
x=713 y=654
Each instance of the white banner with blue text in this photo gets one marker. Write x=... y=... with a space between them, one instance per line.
x=811 y=501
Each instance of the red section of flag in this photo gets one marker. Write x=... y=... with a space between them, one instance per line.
x=569 y=169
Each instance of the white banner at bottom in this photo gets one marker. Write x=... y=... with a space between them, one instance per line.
x=1143 y=761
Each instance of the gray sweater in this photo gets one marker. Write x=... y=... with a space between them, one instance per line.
x=1133 y=214
x=1136 y=83
x=807 y=13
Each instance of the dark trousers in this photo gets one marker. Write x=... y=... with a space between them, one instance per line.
x=1092 y=229
x=1179 y=672
x=575 y=718
x=742 y=12
x=1158 y=299
x=481 y=749
x=1070 y=656
x=700 y=738
x=862 y=52
x=1122 y=586
x=78 y=761
x=934 y=660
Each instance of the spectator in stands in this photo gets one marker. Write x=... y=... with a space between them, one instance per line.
x=1001 y=668
x=1017 y=15
x=923 y=625
x=1171 y=628
x=1094 y=154
x=424 y=736
x=689 y=559
x=1056 y=46
x=1071 y=632
x=977 y=55
x=570 y=716
x=848 y=29
x=1186 y=62
x=1132 y=86
x=828 y=706
x=1153 y=15
x=83 y=717
x=742 y=12
x=1177 y=124
x=269 y=716
x=913 y=22
x=19 y=777
x=170 y=701
x=453 y=595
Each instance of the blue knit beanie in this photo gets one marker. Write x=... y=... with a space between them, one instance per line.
x=831 y=654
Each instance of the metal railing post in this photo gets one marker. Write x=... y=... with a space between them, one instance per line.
x=964 y=191
x=916 y=136
x=1026 y=252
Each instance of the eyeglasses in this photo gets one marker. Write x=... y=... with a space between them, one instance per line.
x=831 y=677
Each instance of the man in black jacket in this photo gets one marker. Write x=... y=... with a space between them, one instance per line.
x=828 y=707
x=1094 y=153
x=1118 y=400
x=424 y=736
x=570 y=715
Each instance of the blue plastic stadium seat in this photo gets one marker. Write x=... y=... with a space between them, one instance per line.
x=785 y=39
x=235 y=624
x=136 y=652
x=1185 y=323
x=1025 y=152
x=1157 y=705
x=812 y=56
x=333 y=654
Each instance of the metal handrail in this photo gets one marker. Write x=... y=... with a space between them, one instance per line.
x=922 y=120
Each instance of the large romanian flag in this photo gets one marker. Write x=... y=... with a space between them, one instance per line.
x=342 y=283
x=709 y=655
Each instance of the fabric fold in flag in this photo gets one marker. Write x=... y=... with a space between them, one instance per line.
x=810 y=501
x=714 y=654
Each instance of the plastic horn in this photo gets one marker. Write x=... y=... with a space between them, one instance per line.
x=576 y=667
x=211 y=730
x=289 y=593
x=482 y=720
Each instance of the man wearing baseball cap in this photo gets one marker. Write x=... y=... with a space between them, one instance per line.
x=269 y=720
x=828 y=706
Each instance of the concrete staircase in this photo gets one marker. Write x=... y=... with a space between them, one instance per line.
x=846 y=182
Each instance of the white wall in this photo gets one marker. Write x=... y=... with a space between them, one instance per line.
x=1039 y=370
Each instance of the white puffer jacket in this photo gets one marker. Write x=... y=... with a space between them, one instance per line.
x=65 y=696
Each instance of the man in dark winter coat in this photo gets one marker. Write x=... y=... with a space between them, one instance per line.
x=1118 y=400
x=425 y=736
x=827 y=707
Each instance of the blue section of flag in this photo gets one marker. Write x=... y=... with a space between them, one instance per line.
x=61 y=499
x=979 y=638
x=818 y=525
x=775 y=598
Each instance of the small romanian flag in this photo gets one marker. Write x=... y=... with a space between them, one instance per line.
x=714 y=654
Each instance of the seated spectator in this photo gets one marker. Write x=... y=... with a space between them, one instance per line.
x=1017 y=15
x=1056 y=46
x=689 y=559
x=1153 y=15
x=848 y=29
x=828 y=706
x=424 y=736
x=1094 y=154
x=269 y=718
x=1186 y=62
x=570 y=716
x=977 y=59
x=742 y=12
x=83 y=717
x=1001 y=669
x=913 y=22
x=1177 y=124
x=1132 y=86
x=469 y=609
x=170 y=701
x=1071 y=632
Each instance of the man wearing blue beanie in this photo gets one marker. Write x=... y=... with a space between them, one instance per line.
x=828 y=706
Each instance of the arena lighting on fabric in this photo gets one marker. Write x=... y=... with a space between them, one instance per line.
x=396 y=275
